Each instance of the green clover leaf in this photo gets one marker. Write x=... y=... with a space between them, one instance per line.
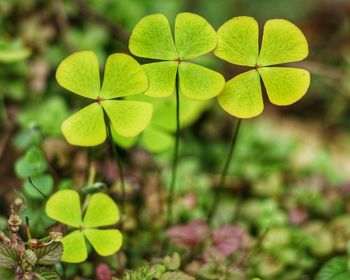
x=124 y=76
x=32 y=164
x=64 y=206
x=194 y=36
x=282 y=42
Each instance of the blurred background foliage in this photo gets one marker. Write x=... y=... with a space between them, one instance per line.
x=288 y=188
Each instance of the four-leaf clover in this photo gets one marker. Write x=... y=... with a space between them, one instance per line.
x=64 y=206
x=194 y=36
x=123 y=76
x=282 y=42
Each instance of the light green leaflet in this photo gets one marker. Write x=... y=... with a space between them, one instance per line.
x=124 y=76
x=194 y=36
x=282 y=42
x=64 y=206
x=158 y=136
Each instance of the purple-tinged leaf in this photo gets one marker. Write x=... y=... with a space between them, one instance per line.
x=297 y=216
x=227 y=239
x=189 y=235
x=103 y=272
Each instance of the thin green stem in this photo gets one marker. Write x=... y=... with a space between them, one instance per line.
x=36 y=188
x=218 y=191
x=88 y=166
x=255 y=248
x=175 y=157
x=89 y=181
x=119 y=164
x=29 y=235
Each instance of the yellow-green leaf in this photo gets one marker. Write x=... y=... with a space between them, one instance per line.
x=123 y=76
x=74 y=247
x=157 y=140
x=101 y=211
x=164 y=116
x=86 y=127
x=152 y=38
x=198 y=82
x=79 y=73
x=124 y=142
x=285 y=85
x=282 y=42
x=161 y=78
x=64 y=206
x=129 y=118
x=191 y=110
x=194 y=36
x=106 y=242
x=242 y=95
x=238 y=41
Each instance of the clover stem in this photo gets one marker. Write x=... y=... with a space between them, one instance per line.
x=119 y=164
x=217 y=195
x=88 y=166
x=175 y=156
x=36 y=188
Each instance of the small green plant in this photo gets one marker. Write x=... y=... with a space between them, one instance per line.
x=123 y=77
x=238 y=43
x=163 y=269
x=31 y=167
x=193 y=37
x=32 y=259
x=37 y=186
x=101 y=210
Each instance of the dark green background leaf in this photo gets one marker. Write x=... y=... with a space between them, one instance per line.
x=49 y=255
x=33 y=163
x=46 y=274
x=8 y=256
x=335 y=269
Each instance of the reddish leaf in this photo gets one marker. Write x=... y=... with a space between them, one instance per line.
x=227 y=239
x=297 y=216
x=103 y=272
x=189 y=235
